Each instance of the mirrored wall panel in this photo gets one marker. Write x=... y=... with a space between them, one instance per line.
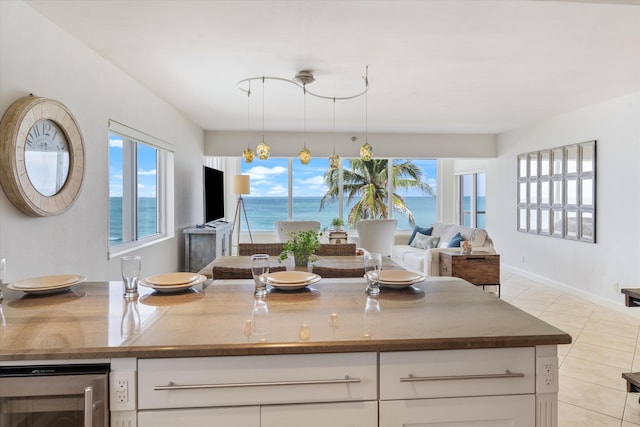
x=557 y=192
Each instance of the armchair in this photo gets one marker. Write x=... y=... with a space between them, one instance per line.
x=376 y=235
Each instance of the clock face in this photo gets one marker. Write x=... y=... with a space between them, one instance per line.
x=46 y=156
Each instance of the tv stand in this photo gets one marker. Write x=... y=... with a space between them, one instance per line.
x=214 y=224
x=203 y=244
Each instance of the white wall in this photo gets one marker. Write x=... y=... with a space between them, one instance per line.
x=288 y=144
x=37 y=57
x=614 y=261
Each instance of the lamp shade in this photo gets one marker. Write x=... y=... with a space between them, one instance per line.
x=241 y=184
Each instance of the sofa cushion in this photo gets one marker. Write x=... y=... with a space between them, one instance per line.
x=455 y=241
x=422 y=230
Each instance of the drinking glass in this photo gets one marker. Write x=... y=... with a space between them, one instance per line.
x=130 y=267
x=260 y=266
x=372 y=266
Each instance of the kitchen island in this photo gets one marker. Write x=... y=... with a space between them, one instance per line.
x=429 y=353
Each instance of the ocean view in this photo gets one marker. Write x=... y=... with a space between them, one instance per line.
x=263 y=211
x=147 y=218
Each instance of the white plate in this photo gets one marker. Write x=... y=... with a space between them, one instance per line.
x=290 y=277
x=172 y=289
x=46 y=284
x=169 y=279
x=294 y=286
x=405 y=284
x=399 y=276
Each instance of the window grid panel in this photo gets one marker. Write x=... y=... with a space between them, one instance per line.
x=556 y=192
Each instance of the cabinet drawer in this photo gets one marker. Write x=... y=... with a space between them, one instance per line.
x=494 y=411
x=255 y=380
x=454 y=373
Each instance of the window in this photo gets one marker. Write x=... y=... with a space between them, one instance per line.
x=284 y=188
x=472 y=200
x=140 y=177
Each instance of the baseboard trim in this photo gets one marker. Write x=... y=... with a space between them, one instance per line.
x=596 y=299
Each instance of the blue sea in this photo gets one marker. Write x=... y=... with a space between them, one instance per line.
x=263 y=211
x=147 y=218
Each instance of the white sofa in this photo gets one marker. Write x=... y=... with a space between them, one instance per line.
x=427 y=261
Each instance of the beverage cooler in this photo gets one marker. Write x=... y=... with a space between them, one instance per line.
x=54 y=395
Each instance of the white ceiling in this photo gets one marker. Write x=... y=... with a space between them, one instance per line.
x=466 y=66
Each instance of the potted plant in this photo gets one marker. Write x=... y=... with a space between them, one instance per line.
x=302 y=246
x=337 y=223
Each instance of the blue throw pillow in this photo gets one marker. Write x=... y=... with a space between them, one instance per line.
x=422 y=230
x=455 y=241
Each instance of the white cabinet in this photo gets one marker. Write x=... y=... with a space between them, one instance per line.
x=457 y=373
x=323 y=389
x=488 y=411
x=438 y=388
x=201 y=417
x=476 y=387
x=347 y=414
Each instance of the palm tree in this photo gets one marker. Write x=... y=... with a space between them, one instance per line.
x=368 y=180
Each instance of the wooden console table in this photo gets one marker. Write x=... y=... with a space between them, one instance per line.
x=479 y=268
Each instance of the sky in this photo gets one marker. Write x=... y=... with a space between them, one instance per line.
x=269 y=177
x=147 y=172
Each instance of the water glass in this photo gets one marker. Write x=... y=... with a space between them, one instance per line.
x=372 y=266
x=130 y=266
x=260 y=266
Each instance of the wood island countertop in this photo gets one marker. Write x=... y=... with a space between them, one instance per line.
x=333 y=315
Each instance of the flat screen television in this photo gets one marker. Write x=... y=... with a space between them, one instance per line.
x=213 y=186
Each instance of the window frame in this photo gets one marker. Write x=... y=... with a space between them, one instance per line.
x=473 y=205
x=164 y=190
x=342 y=210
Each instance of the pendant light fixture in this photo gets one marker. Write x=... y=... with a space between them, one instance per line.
x=302 y=79
x=334 y=159
x=366 y=151
x=247 y=154
x=305 y=154
x=263 y=150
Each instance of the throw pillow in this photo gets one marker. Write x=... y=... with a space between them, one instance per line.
x=418 y=240
x=432 y=242
x=422 y=241
x=455 y=241
x=422 y=230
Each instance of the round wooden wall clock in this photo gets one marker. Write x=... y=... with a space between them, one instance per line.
x=41 y=156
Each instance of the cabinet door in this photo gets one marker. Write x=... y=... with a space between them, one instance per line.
x=351 y=414
x=491 y=411
x=243 y=416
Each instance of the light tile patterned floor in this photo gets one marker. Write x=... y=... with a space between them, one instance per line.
x=606 y=343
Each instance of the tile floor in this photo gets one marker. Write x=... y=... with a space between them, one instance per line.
x=606 y=343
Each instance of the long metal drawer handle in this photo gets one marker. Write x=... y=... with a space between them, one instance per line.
x=172 y=386
x=507 y=374
x=88 y=406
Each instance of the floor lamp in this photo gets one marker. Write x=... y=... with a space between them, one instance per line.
x=241 y=186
